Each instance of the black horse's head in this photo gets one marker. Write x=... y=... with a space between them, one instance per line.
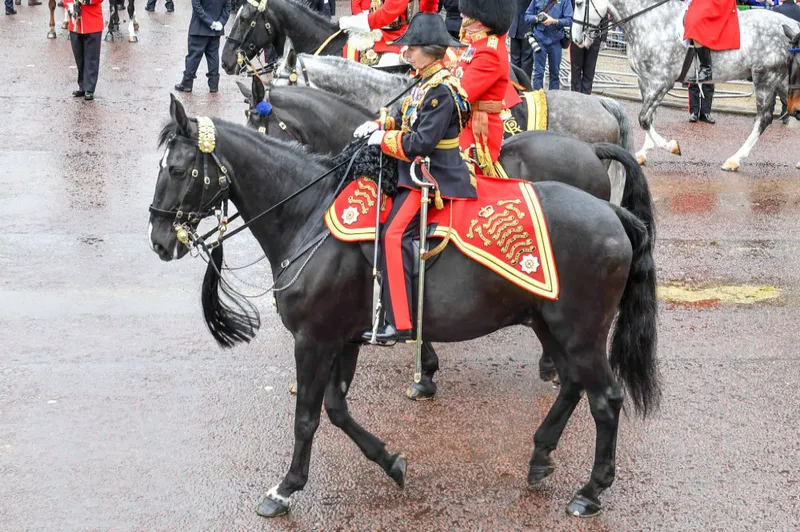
x=259 y=108
x=252 y=31
x=794 y=72
x=192 y=183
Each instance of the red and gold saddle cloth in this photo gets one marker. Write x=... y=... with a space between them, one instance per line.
x=504 y=229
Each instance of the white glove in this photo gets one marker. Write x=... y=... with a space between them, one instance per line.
x=216 y=25
x=365 y=129
x=358 y=22
x=376 y=138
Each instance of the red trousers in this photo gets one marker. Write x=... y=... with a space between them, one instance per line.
x=398 y=257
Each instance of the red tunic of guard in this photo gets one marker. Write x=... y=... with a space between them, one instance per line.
x=91 y=20
x=357 y=6
x=391 y=17
x=713 y=23
x=483 y=70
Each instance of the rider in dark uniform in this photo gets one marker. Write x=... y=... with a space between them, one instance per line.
x=432 y=117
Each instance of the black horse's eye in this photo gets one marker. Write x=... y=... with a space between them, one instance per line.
x=176 y=172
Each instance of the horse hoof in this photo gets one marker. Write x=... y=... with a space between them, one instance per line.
x=730 y=166
x=136 y=27
x=538 y=473
x=674 y=147
x=421 y=392
x=641 y=159
x=51 y=34
x=133 y=38
x=580 y=506
x=270 y=507
x=398 y=470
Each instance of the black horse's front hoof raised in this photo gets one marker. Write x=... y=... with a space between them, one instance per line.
x=273 y=506
x=580 y=506
x=398 y=470
x=421 y=391
x=538 y=473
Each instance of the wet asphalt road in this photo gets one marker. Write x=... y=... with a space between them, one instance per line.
x=117 y=410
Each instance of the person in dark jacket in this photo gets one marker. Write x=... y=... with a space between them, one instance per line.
x=792 y=10
x=452 y=18
x=548 y=29
x=583 y=63
x=208 y=21
x=521 y=51
x=434 y=115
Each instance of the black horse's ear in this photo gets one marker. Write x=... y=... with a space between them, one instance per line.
x=793 y=35
x=259 y=93
x=178 y=114
x=246 y=91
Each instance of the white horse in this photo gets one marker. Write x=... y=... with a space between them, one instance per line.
x=654 y=37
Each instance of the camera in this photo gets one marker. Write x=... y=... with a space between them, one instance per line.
x=533 y=42
x=541 y=17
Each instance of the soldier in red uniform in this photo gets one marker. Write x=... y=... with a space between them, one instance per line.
x=357 y=6
x=389 y=16
x=483 y=70
x=432 y=117
x=85 y=32
x=713 y=24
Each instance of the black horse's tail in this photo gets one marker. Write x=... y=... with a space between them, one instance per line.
x=634 y=340
x=636 y=194
x=230 y=317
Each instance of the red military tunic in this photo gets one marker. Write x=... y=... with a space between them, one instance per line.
x=357 y=6
x=391 y=17
x=713 y=23
x=483 y=71
x=91 y=20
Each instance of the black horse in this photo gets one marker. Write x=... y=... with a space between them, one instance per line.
x=605 y=265
x=325 y=122
x=310 y=32
x=114 y=6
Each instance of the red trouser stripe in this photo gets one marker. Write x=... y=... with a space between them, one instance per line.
x=393 y=248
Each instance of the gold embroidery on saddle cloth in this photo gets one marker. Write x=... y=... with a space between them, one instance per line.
x=536 y=102
x=510 y=124
x=499 y=226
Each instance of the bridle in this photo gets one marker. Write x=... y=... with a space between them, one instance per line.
x=241 y=55
x=185 y=219
x=792 y=60
x=592 y=30
x=292 y=76
x=606 y=23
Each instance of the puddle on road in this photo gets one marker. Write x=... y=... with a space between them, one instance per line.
x=684 y=296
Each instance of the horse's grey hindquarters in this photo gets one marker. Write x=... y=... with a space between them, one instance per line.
x=656 y=53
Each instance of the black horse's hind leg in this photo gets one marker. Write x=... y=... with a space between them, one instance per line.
x=425 y=389
x=549 y=433
x=336 y=406
x=313 y=368
x=113 y=21
x=605 y=400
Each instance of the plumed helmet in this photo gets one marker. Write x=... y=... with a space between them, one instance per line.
x=427 y=28
x=496 y=15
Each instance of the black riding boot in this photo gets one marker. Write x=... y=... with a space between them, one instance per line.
x=704 y=56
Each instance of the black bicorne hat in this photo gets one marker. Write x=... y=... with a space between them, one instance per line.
x=496 y=15
x=427 y=28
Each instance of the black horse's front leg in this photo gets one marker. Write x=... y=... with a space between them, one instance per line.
x=313 y=365
x=425 y=389
x=336 y=406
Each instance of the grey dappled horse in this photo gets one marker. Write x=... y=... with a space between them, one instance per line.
x=591 y=119
x=656 y=54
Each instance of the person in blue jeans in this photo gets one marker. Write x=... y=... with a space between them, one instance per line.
x=548 y=18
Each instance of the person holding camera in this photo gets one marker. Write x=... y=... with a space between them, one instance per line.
x=548 y=19
x=85 y=34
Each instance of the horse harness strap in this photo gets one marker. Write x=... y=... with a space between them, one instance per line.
x=608 y=23
x=261 y=7
x=327 y=41
x=795 y=86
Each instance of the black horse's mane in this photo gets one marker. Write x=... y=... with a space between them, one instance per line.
x=312 y=13
x=367 y=161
